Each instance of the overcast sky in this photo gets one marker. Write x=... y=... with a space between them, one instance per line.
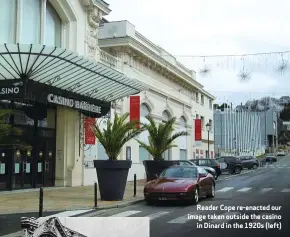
x=223 y=27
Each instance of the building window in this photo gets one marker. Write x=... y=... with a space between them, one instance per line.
x=202 y=99
x=210 y=104
x=196 y=116
x=202 y=122
x=165 y=116
x=8 y=19
x=182 y=154
x=143 y=154
x=52 y=27
x=210 y=123
x=30 y=22
x=128 y=153
x=196 y=97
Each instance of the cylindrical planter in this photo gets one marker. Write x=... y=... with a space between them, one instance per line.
x=112 y=178
x=156 y=167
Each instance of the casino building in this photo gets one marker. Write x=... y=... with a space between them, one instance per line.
x=51 y=79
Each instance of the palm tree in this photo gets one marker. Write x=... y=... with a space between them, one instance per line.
x=160 y=137
x=5 y=128
x=117 y=133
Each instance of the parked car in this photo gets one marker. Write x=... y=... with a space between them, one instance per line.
x=208 y=163
x=271 y=158
x=230 y=164
x=281 y=153
x=249 y=162
x=186 y=183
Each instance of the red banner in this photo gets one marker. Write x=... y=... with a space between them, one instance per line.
x=135 y=109
x=197 y=130
x=90 y=138
x=211 y=154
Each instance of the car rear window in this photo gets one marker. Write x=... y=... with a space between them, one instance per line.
x=214 y=162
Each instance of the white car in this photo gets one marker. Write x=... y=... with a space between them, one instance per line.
x=281 y=153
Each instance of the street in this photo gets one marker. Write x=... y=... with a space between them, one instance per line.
x=269 y=185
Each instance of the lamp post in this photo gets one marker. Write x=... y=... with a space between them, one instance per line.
x=208 y=126
x=235 y=142
x=253 y=141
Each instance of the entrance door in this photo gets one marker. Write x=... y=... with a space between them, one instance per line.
x=45 y=159
x=22 y=169
x=4 y=169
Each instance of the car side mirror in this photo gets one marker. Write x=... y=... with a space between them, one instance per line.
x=155 y=176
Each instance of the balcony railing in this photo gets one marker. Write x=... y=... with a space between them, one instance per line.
x=110 y=60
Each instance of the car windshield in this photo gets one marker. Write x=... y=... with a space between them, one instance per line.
x=180 y=172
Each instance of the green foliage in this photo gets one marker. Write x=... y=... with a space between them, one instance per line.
x=221 y=107
x=161 y=137
x=117 y=133
x=260 y=156
x=5 y=128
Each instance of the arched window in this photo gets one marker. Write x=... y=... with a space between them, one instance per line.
x=52 y=27
x=144 y=154
x=145 y=111
x=182 y=122
x=165 y=116
x=7 y=19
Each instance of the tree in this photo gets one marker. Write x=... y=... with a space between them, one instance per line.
x=264 y=104
x=160 y=137
x=221 y=107
x=7 y=129
x=117 y=133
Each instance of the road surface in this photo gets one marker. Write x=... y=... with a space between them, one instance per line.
x=262 y=187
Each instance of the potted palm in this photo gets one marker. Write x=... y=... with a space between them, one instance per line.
x=161 y=138
x=112 y=173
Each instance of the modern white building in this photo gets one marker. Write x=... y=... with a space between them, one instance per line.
x=173 y=92
x=238 y=132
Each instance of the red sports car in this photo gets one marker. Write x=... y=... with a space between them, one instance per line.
x=187 y=183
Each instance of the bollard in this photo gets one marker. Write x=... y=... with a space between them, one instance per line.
x=135 y=184
x=40 y=202
x=96 y=194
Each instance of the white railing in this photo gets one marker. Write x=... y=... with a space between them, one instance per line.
x=109 y=60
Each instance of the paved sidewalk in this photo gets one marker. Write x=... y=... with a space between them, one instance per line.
x=63 y=199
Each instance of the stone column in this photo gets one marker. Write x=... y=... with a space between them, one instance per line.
x=94 y=16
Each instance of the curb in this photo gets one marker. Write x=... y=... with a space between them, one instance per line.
x=90 y=209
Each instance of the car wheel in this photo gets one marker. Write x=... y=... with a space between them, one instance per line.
x=212 y=192
x=237 y=170
x=195 y=196
x=255 y=166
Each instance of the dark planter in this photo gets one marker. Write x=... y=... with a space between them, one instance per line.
x=112 y=178
x=156 y=167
